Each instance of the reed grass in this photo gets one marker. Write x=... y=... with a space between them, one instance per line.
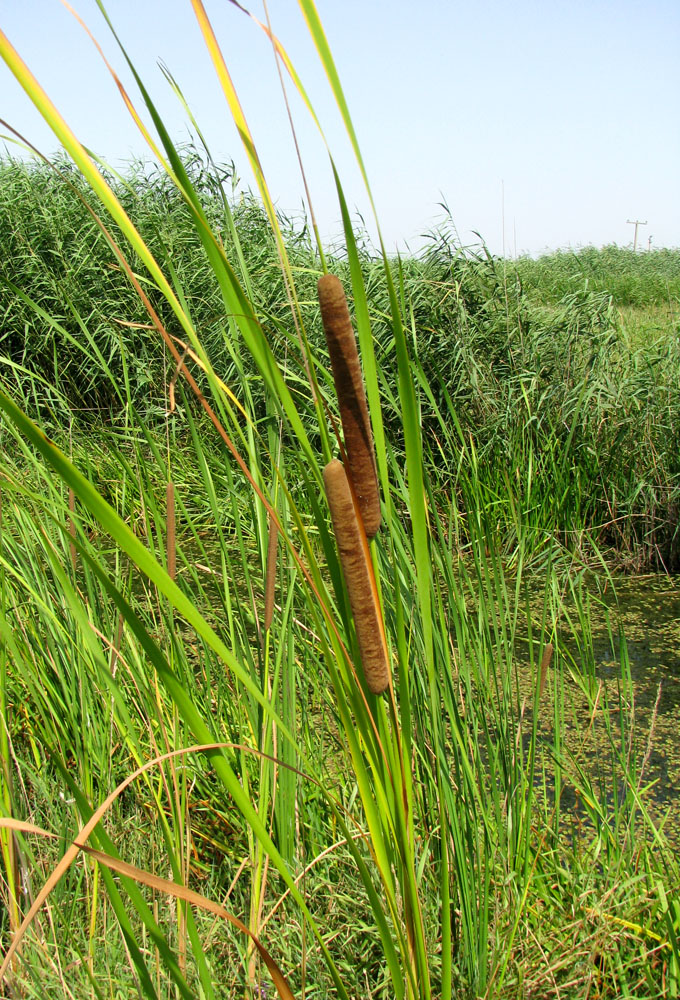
x=413 y=845
x=588 y=376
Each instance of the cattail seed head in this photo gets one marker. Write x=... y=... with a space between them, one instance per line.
x=170 y=545
x=349 y=385
x=357 y=571
x=270 y=576
x=545 y=664
x=72 y=529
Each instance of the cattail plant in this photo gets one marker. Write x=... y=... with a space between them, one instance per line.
x=545 y=665
x=349 y=385
x=171 y=549
x=270 y=580
x=72 y=529
x=356 y=568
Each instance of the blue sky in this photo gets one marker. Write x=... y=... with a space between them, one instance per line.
x=540 y=124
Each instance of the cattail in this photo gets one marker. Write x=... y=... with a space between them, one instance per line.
x=545 y=663
x=170 y=547
x=270 y=579
x=356 y=568
x=349 y=385
x=117 y=643
x=72 y=528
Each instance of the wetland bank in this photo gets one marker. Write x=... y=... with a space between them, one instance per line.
x=489 y=828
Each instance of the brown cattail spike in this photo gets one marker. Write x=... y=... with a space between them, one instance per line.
x=545 y=664
x=270 y=577
x=357 y=571
x=170 y=545
x=349 y=385
x=72 y=529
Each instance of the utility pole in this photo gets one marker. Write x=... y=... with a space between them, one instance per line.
x=636 y=223
x=649 y=244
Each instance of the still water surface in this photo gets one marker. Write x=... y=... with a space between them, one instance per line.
x=646 y=610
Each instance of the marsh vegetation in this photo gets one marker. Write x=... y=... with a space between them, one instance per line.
x=179 y=663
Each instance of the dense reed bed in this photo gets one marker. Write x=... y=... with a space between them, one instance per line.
x=219 y=778
x=565 y=366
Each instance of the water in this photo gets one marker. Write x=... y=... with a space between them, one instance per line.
x=635 y=670
x=648 y=611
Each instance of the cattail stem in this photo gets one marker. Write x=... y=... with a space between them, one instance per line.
x=357 y=570
x=349 y=385
x=270 y=580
